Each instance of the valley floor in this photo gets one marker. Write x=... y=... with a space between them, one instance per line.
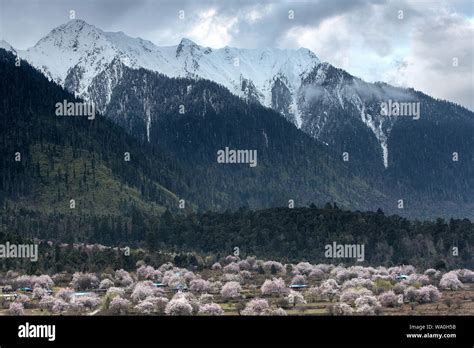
x=242 y=287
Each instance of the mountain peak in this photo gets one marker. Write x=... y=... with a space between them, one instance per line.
x=308 y=52
x=186 y=45
x=75 y=25
x=187 y=42
x=68 y=35
x=6 y=46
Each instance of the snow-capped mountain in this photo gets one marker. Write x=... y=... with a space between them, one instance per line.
x=73 y=54
x=329 y=97
x=331 y=105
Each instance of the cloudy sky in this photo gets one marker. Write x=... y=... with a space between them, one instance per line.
x=428 y=45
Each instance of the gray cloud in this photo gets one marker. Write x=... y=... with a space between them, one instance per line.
x=365 y=37
x=440 y=61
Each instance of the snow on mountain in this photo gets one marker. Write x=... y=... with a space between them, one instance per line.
x=313 y=95
x=86 y=50
x=89 y=50
x=330 y=99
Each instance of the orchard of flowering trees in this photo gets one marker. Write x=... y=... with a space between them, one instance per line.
x=235 y=286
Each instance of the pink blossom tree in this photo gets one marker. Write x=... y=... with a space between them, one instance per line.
x=211 y=309
x=342 y=274
x=199 y=285
x=145 y=307
x=329 y=289
x=244 y=265
x=114 y=291
x=303 y=268
x=16 y=308
x=179 y=306
x=358 y=283
x=84 y=281
x=142 y=290
x=273 y=267
x=465 y=275
x=65 y=294
x=44 y=281
x=340 y=309
x=39 y=293
x=231 y=258
x=312 y=294
x=88 y=302
x=277 y=312
x=350 y=295
x=123 y=278
x=206 y=298
x=411 y=294
x=231 y=268
x=106 y=284
x=246 y=274
x=231 y=290
x=145 y=272
x=60 y=306
x=190 y=298
x=428 y=294
x=47 y=302
x=365 y=310
x=119 y=305
x=274 y=287
x=399 y=288
x=256 y=306
x=450 y=281
x=216 y=286
x=367 y=305
x=159 y=303
x=316 y=273
x=216 y=266
x=390 y=299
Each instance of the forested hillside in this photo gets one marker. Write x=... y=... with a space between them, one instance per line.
x=284 y=234
x=302 y=233
x=46 y=161
x=194 y=119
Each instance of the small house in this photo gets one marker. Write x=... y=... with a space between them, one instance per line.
x=298 y=286
x=180 y=287
x=400 y=277
x=25 y=289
